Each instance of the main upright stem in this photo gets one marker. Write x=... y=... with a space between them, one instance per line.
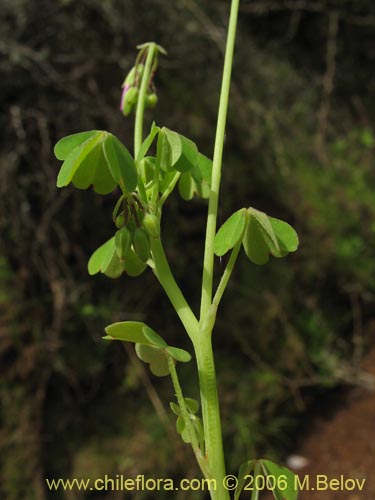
x=203 y=345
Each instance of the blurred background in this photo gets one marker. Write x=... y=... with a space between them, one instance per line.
x=295 y=339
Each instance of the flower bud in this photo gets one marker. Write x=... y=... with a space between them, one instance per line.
x=151 y=225
x=151 y=100
x=122 y=242
x=141 y=244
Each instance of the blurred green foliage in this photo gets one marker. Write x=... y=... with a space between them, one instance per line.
x=299 y=145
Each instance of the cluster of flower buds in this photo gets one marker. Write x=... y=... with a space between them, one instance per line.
x=135 y=226
x=130 y=91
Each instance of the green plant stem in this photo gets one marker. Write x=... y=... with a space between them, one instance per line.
x=203 y=345
x=139 y=112
x=211 y=414
x=185 y=415
x=173 y=291
x=208 y=263
x=226 y=275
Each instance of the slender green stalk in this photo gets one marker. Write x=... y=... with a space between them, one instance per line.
x=226 y=275
x=139 y=112
x=208 y=263
x=189 y=424
x=173 y=291
x=203 y=346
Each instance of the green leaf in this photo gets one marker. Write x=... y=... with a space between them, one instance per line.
x=175 y=408
x=266 y=235
x=267 y=230
x=189 y=155
x=75 y=157
x=93 y=170
x=257 y=472
x=186 y=186
x=192 y=405
x=155 y=357
x=128 y=331
x=179 y=354
x=230 y=232
x=153 y=337
x=95 y=262
x=254 y=244
x=120 y=163
x=66 y=145
x=114 y=268
x=204 y=165
x=180 y=424
x=286 y=490
x=169 y=148
x=133 y=264
x=244 y=470
x=148 y=141
x=285 y=234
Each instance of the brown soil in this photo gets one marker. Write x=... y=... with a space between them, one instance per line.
x=343 y=445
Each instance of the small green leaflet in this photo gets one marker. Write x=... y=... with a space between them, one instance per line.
x=244 y=471
x=169 y=148
x=285 y=480
x=266 y=235
x=106 y=261
x=196 y=181
x=254 y=245
x=189 y=155
x=128 y=331
x=191 y=404
x=282 y=481
x=95 y=158
x=155 y=357
x=179 y=354
x=120 y=163
x=148 y=142
x=230 y=232
x=95 y=264
x=153 y=338
x=133 y=264
x=66 y=145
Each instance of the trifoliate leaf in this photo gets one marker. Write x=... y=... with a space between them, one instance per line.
x=266 y=235
x=230 y=232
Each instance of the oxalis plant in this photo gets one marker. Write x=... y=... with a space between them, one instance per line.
x=144 y=181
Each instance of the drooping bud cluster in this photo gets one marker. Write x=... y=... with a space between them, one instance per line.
x=135 y=226
x=132 y=84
